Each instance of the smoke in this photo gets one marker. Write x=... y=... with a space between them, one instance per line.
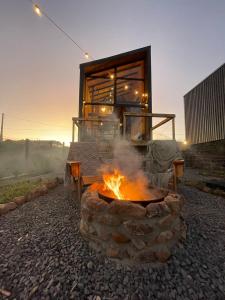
x=41 y=159
x=130 y=163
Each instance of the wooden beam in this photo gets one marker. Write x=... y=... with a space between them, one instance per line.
x=161 y=123
x=134 y=114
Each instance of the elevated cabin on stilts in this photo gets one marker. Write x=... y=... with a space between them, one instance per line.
x=116 y=98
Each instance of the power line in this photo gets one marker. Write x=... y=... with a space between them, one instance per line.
x=42 y=12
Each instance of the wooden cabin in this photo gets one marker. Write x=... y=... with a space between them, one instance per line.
x=116 y=98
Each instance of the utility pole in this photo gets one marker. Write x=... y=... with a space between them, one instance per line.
x=1 y=133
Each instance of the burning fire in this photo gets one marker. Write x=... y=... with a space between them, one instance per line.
x=113 y=182
x=119 y=186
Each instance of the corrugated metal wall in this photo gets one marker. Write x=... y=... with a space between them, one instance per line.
x=204 y=108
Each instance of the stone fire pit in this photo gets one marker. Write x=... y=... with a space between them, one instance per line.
x=129 y=231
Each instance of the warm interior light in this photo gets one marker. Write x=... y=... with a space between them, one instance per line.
x=121 y=124
x=185 y=142
x=103 y=109
x=101 y=123
x=37 y=10
x=112 y=76
x=146 y=105
x=112 y=88
x=86 y=55
x=126 y=87
x=136 y=92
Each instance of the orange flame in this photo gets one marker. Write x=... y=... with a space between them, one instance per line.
x=113 y=182
x=117 y=185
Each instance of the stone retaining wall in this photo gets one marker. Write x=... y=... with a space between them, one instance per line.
x=129 y=231
x=36 y=192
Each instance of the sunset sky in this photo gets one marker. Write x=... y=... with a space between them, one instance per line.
x=39 y=66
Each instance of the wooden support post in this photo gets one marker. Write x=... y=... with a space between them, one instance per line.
x=173 y=128
x=73 y=131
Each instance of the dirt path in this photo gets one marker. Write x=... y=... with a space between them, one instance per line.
x=42 y=256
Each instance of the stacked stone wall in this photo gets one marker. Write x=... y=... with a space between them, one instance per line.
x=129 y=231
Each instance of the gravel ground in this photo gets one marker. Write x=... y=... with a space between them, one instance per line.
x=42 y=256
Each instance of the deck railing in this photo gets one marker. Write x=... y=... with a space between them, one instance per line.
x=108 y=129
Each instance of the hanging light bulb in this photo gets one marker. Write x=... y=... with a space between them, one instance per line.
x=86 y=55
x=112 y=76
x=37 y=10
x=136 y=92
x=126 y=87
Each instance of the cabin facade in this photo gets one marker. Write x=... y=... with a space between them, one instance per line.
x=115 y=98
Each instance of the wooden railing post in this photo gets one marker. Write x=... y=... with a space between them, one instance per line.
x=173 y=128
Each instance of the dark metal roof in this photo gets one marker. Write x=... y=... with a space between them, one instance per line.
x=112 y=61
x=211 y=74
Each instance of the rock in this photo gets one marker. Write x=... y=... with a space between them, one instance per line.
x=43 y=189
x=126 y=208
x=90 y=265
x=165 y=236
x=165 y=209
x=51 y=184
x=137 y=227
x=119 y=238
x=6 y=207
x=166 y=221
x=95 y=204
x=108 y=219
x=20 y=200
x=173 y=203
x=83 y=227
x=153 y=210
x=5 y=293
x=147 y=255
x=138 y=243
x=59 y=180
x=86 y=214
x=112 y=252
x=206 y=189
x=163 y=255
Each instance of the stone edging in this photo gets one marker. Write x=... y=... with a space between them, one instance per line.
x=38 y=191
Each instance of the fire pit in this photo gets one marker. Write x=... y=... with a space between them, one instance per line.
x=156 y=196
x=137 y=230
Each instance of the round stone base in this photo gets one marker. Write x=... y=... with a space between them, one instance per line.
x=129 y=231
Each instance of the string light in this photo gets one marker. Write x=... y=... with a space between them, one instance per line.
x=136 y=92
x=185 y=142
x=126 y=87
x=103 y=109
x=112 y=76
x=37 y=10
x=40 y=12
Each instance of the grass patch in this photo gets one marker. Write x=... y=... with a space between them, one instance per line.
x=8 y=192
